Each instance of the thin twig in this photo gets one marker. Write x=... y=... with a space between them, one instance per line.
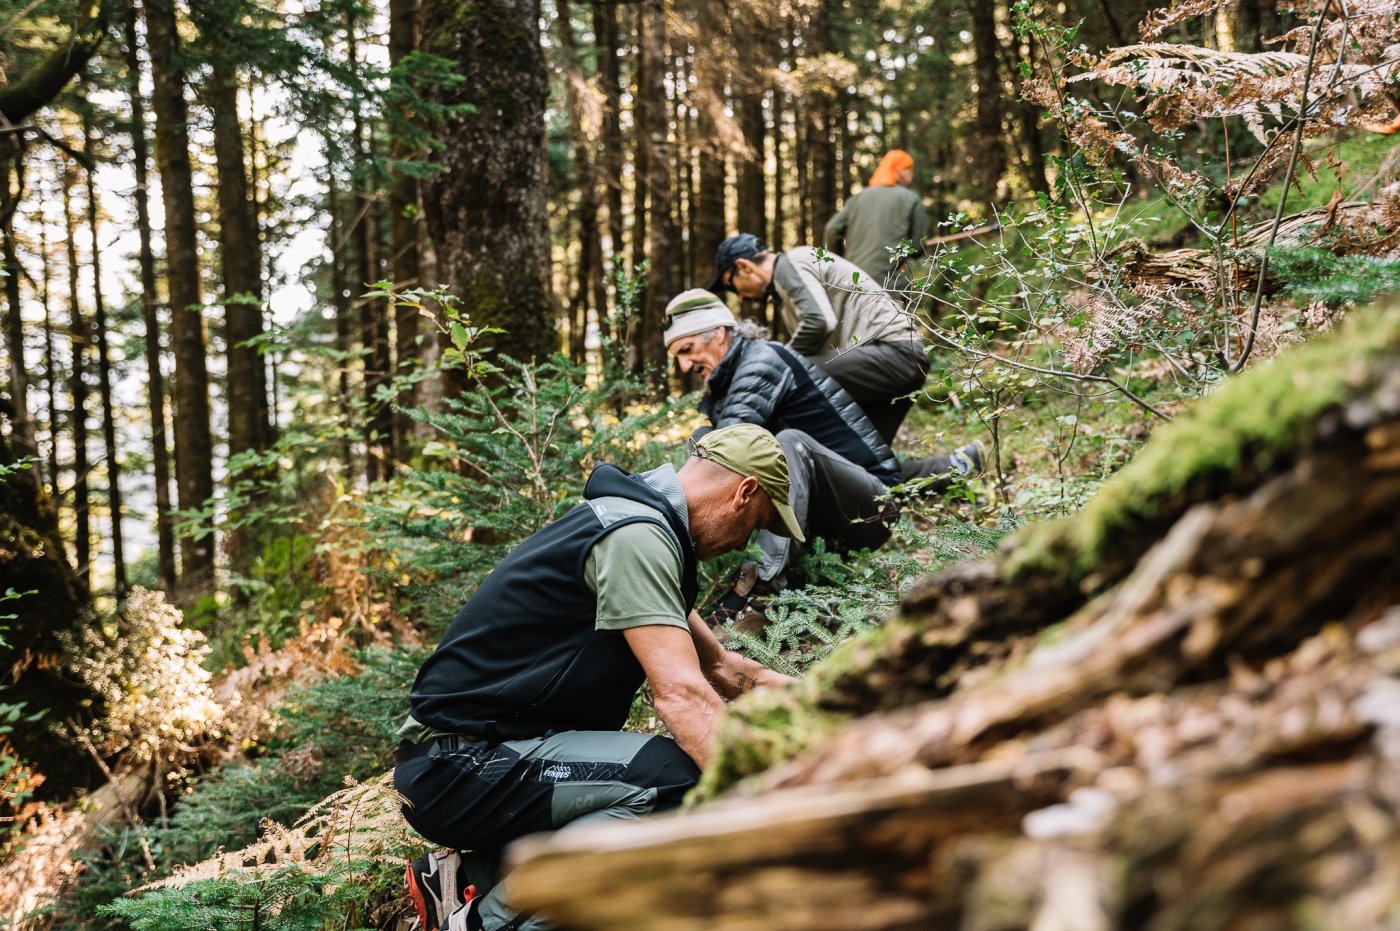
x=1103 y=379
x=126 y=806
x=1283 y=195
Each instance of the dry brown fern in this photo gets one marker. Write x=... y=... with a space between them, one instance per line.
x=355 y=827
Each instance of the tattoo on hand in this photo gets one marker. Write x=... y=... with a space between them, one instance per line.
x=745 y=682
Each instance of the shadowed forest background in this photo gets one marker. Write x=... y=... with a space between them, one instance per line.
x=312 y=310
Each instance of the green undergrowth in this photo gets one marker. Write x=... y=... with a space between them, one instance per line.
x=1253 y=423
x=339 y=728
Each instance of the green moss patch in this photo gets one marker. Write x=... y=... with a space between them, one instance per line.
x=1254 y=423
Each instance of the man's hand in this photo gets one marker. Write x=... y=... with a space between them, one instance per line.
x=732 y=674
x=685 y=701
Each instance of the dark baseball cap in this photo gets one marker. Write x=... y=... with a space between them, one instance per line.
x=736 y=247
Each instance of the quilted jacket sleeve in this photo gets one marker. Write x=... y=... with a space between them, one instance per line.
x=758 y=387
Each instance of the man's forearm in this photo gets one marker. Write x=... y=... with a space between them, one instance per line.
x=692 y=720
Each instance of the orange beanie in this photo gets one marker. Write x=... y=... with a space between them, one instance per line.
x=895 y=161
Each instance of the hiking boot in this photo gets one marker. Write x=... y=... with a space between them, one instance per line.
x=438 y=888
x=969 y=460
x=739 y=606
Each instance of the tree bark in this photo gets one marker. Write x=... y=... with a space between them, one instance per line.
x=641 y=172
x=194 y=459
x=661 y=234
x=713 y=39
x=50 y=365
x=991 y=152
x=374 y=315
x=486 y=211
x=821 y=129
x=590 y=261
x=340 y=300
x=403 y=263
x=240 y=264
x=104 y=372
x=605 y=30
x=79 y=339
x=22 y=422
x=155 y=380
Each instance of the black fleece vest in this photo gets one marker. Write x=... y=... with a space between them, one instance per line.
x=522 y=657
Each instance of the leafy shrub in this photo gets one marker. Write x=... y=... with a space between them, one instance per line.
x=148 y=672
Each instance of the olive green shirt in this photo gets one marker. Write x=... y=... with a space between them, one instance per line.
x=635 y=571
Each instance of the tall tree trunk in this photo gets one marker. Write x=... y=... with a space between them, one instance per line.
x=374 y=315
x=821 y=129
x=589 y=249
x=641 y=171
x=777 y=235
x=403 y=265
x=661 y=235
x=240 y=267
x=104 y=371
x=685 y=174
x=712 y=29
x=155 y=381
x=486 y=212
x=50 y=369
x=79 y=339
x=267 y=362
x=430 y=390
x=605 y=32
x=991 y=153
x=240 y=258
x=194 y=459
x=753 y=200
x=22 y=423
x=340 y=300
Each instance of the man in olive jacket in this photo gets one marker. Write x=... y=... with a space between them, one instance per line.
x=838 y=317
x=874 y=223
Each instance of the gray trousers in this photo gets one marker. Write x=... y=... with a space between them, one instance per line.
x=880 y=376
x=476 y=796
x=833 y=498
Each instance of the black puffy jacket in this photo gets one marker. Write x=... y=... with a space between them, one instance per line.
x=768 y=384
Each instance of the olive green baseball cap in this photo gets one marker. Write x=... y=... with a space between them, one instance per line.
x=749 y=450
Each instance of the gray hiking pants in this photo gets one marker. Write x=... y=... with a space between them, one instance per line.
x=880 y=376
x=479 y=795
x=833 y=498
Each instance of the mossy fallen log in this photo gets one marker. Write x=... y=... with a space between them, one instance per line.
x=1189 y=691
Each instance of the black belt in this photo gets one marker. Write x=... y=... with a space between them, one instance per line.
x=450 y=743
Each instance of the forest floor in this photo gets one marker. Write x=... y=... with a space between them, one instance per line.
x=299 y=737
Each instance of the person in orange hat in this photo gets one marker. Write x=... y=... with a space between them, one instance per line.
x=870 y=229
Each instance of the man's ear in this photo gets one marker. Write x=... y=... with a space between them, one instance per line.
x=745 y=491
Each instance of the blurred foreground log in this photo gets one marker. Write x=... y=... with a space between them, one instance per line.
x=1178 y=710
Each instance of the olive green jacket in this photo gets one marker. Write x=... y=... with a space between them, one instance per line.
x=875 y=221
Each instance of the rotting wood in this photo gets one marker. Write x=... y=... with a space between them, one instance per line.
x=1213 y=716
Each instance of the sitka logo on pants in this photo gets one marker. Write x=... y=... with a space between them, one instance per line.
x=557 y=773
